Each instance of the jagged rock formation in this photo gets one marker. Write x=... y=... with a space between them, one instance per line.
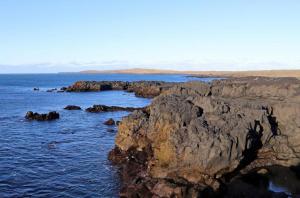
x=196 y=137
x=147 y=89
x=104 y=108
x=42 y=117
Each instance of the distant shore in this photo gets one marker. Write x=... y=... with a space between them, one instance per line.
x=265 y=73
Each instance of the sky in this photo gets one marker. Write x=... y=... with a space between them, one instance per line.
x=73 y=35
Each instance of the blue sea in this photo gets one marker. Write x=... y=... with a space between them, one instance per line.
x=66 y=157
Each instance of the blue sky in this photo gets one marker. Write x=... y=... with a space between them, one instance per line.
x=73 y=35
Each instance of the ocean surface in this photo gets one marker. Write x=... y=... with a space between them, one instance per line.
x=65 y=157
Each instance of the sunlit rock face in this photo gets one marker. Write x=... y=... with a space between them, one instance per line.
x=197 y=134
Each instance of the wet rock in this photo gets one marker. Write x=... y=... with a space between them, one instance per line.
x=42 y=117
x=51 y=90
x=82 y=86
x=110 y=121
x=72 y=107
x=36 y=89
x=147 y=89
x=203 y=135
x=104 y=108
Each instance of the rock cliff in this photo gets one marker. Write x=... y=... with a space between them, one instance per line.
x=196 y=137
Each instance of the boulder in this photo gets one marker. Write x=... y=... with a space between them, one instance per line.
x=72 y=107
x=110 y=121
x=42 y=117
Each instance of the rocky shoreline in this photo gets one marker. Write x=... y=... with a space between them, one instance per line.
x=104 y=108
x=146 y=89
x=196 y=138
x=204 y=139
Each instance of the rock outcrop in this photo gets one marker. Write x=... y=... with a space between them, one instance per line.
x=104 y=108
x=72 y=107
x=110 y=122
x=147 y=89
x=42 y=117
x=195 y=138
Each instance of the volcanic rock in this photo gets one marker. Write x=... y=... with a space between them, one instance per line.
x=110 y=121
x=147 y=89
x=72 y=107
x=42 y=117
x=196 y=136
x=104 y=108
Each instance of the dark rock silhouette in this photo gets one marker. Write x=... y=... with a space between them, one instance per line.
x=110 y=121
x=72 y=107
x=147 y=89
x=42 y=117
x=104 y=108
x=51 y=90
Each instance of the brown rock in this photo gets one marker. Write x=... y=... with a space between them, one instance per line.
x=204 y=134
x=147 y=89
x=110 y=121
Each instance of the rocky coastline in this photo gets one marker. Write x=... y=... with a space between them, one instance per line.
x=146 y=89
x=196 y=139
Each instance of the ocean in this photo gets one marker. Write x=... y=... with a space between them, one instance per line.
x=66 y=157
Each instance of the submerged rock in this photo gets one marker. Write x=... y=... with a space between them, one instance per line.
x=110 y=121
x=110 y=130
x=199 y=136
x=104 y=108
x=42 y=117
x=72 y=107
x=51 y=90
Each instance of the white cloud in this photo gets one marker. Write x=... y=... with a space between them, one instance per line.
x=206 y=65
